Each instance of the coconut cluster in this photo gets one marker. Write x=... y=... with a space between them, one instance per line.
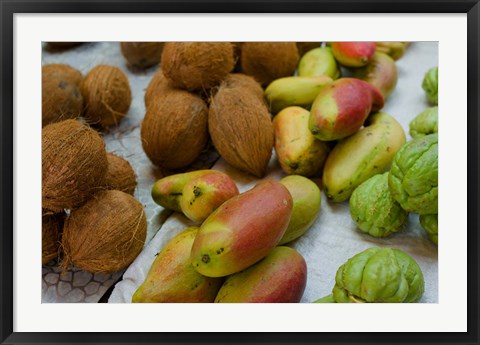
x=102 y=97
x=106 y=227
x=197 y=78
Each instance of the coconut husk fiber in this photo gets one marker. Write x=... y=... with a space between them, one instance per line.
x=61 y=97
x=241 y=129
x=142 y=54
x=174 y=131
x=120 y=175
x=52 y=225
x=106 y=234
x=107 y=95
x=158 y=85
x=267 y=61
x=197 y=65
x=74 y=164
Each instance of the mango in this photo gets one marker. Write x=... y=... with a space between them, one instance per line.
x=242 y=230
x=341 y=108
x=290 y=91
x=393 y=49
x=381 y=72
x=317 y=62
x=368 y=152
x=307 y=200
x=280 y=277
x=353 y=54
x=172 y=278
x=298 y=151
x=167 y=191
x=202 y=195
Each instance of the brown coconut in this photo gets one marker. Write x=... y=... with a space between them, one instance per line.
x=158 y=85
x=241 y=129
x=61 y=97
x=304 y=47
x=142 y=54
x=74 y=164
x=197 y=65
x=60 y=70
x=174 y=130
x=106 y=234
x=267 y=61
x=235 y=80
x=107 y=95
x=120 y=175
x=52 y=225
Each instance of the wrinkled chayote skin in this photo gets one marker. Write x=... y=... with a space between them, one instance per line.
x=378 y=276
x=413 y=177
x=429 y=223
x=373 y=208
x=430 y=85
x=424 y=123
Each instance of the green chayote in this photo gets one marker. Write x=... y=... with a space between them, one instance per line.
x=378 y=276
x=413 y=177
x=429 y=223
x=424 y=123
x=374 y=209
x=430 y=85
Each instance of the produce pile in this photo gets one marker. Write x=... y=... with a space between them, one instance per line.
x=316 y=109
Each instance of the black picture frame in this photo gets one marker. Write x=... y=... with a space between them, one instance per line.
x=7 y=174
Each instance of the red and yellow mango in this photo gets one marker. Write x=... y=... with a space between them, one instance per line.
x=242 y=230
x=202 y=195
x=172 y=278
x=167 y=191
x=298 y=151
x=353 y=54
x=342 y=107
x=280 y=277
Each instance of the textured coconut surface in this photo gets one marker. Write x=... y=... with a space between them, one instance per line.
x=331 y=240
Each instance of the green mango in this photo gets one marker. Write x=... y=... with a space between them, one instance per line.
x=393 y=49
x=317 y=62
x=307 y=200
x=172 y=278
x=291 y=91
x=280 y=277
x=366 y=153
